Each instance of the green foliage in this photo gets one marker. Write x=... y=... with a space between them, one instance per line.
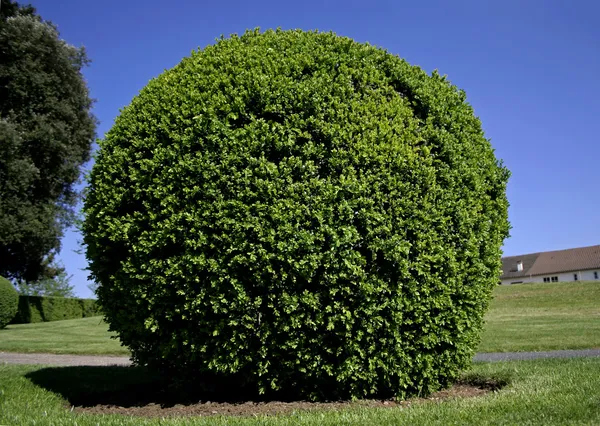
x=46 y=134
x=34 y=309
x=59 y=286
x=90 y=308
x=9 y=301
x=299 y=212
x=10 y=8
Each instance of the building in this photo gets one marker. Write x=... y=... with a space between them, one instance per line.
x=577 y=264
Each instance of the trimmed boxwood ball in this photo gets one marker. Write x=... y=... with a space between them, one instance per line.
x=301 y=213
x=9 y=302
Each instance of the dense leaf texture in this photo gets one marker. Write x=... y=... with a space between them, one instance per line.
x=46 y=134
x=34 y=309
x=300 y=211
x=9 y=302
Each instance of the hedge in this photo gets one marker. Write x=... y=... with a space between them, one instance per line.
x=42 y=309
x=298 y=212
x=8 y=302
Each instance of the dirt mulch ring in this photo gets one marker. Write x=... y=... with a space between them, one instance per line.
x=207 y=408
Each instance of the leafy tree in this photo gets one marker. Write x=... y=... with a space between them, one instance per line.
x=59 y=286
x=46 y=135
x=93 y=286
x=9 y=8
x=298 y=212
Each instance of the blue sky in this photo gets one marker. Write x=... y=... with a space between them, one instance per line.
x=529 y=68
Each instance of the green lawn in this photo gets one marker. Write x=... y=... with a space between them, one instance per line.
x=543 y=392
x=542 y=317
x=524 y=317
x=78 y=336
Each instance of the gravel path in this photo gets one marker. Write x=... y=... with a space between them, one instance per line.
x=76 y=360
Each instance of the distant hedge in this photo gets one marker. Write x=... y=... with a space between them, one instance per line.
x=8 y=302
x=43 y=309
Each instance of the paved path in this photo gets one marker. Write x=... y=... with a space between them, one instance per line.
x=71 y=360
x=510 y=356
x=76 y=360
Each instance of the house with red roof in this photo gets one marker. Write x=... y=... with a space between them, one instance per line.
x=576 y=264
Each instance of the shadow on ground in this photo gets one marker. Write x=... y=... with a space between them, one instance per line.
x=135 y=391
x=87 y=386
x=128 y=386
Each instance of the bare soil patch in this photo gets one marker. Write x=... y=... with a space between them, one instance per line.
x=134 y=391
x=251 y=408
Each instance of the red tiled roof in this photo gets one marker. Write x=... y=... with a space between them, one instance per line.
x=552 y=262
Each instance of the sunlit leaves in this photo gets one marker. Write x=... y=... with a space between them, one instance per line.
x=301 y=211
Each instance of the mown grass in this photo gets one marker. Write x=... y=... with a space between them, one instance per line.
x=523 y=317
x=542 y=392
x=78 y=336
x=543 y=317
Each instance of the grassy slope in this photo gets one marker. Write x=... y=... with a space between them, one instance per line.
x=545 y=316
x=543 y=392
x=521 y=318
x=78 y=336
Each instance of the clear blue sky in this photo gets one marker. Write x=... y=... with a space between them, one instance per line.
x=530 y=69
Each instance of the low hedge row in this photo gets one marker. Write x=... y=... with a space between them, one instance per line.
x=42 y=309
x=8 y=302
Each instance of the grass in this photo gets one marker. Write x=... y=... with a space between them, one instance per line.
x=524 y=317
x=521 y=317
x=541 y=392
x=78 y=336
x=543 y=317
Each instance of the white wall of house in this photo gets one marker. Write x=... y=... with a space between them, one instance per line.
x=586 y=275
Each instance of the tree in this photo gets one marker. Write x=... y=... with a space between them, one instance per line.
x=59 y=286
x=46 y=135
x=93 y=286
x=298 y=212
x=9 y=8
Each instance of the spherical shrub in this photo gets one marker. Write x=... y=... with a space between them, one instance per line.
x=301 y=212
x=9 y=302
